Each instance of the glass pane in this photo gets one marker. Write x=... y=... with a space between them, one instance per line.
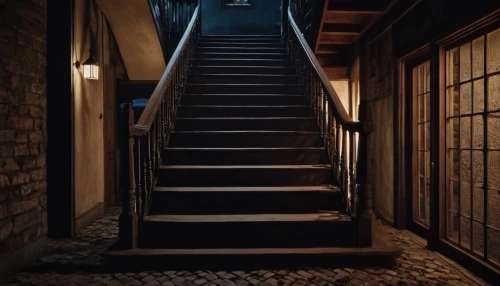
x=465 y=232
x=493 y=48
x=427 y=136
x=421 y=199
x=478 y=57
x=421 y=165
x=420 y=79
x=477 y=132
x=493 y=169
x=465 y=132
x=493 y=208
x=453 y=65
x=427 y=201
x=478 y=237
x=494 y=92
x=465 y=64
x=428 y=76
x=465 y=98
x=427 y=106
x=455 y=192
x=427 y=164
x=421 y=108
x=494 y=131
x=455 y=124
x=478 y=204
x=454 y=226
x=455 y=162
x=455 y=94
x=465 y=191
x=479 y=95
x=478 y=168
x=494 y=245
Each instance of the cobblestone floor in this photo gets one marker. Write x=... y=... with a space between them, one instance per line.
x=77 y=261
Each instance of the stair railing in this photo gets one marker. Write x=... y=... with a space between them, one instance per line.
x=338 y=130
x=172 y=18
x=149 y=136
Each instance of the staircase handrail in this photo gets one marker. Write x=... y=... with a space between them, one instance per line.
x=344 y=138
x=147 y=139
x=339 y=109
x=149 y=113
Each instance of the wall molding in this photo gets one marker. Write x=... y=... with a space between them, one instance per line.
x=89 y=216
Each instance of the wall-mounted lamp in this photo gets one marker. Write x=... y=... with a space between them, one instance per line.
x=91 y=67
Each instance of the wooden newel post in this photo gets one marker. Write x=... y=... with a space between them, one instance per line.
x=366 y=217
x=127 y=237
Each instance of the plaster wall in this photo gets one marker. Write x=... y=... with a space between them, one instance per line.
x=88 y=106
x=135 y=32
x=381 y=144
x=262 y=18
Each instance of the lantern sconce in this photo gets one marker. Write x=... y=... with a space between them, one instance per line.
x=90 y=67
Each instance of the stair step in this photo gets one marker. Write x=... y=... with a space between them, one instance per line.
x=245 y=156
x=241 y=62
x=256 y=39
x=243 y=111
x=245 y=200
x=243 y=99
x=229 y=50
x=243 y=78
x=277 y=70
x=320 y=229
x=242 y=55
x=200 y=88
x=245 y=139
x=240 y=45
x=246 y=123
x=244 y=175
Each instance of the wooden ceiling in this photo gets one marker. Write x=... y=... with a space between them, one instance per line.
x=342 y=23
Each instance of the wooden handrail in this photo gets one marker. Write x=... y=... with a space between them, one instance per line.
x=148 y=115
x=339 y=109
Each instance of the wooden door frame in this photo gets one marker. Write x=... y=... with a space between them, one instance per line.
x=404 y=152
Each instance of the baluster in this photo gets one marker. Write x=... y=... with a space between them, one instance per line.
x=127 y=222
x=366 y=218
x=325 y=114
x=352 y=174
x=345 y=172
x=140 y=183
x=337 y=152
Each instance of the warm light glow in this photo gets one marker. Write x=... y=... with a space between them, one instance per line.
x=91 y=71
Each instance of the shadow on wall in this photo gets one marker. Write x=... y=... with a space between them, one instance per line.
x=263 y=17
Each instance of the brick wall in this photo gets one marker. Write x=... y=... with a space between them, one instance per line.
x=23 y=199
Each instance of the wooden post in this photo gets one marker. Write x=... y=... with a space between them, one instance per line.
x=127 y=222
x=366 y=217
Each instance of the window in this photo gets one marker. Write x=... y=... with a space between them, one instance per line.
x=473 y=146
x=421 y=90
x=236 y=3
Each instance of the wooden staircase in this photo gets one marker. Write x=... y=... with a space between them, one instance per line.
x=245 y=179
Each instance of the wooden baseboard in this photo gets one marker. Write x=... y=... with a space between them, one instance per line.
x=89 y=216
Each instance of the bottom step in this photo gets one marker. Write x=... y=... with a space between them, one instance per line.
x=383 y=253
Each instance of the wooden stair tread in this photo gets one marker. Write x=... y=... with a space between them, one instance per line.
x=246 y=148
x=383 y=249
x=244 y=118
x=247 y=132
x=323 y=166
x=324 y=188
x=326 y=216
x=247 y=106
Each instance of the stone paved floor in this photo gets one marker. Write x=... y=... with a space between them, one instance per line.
x=77 y=262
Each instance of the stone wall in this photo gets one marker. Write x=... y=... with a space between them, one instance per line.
x=381 y=96
x=23 y=199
